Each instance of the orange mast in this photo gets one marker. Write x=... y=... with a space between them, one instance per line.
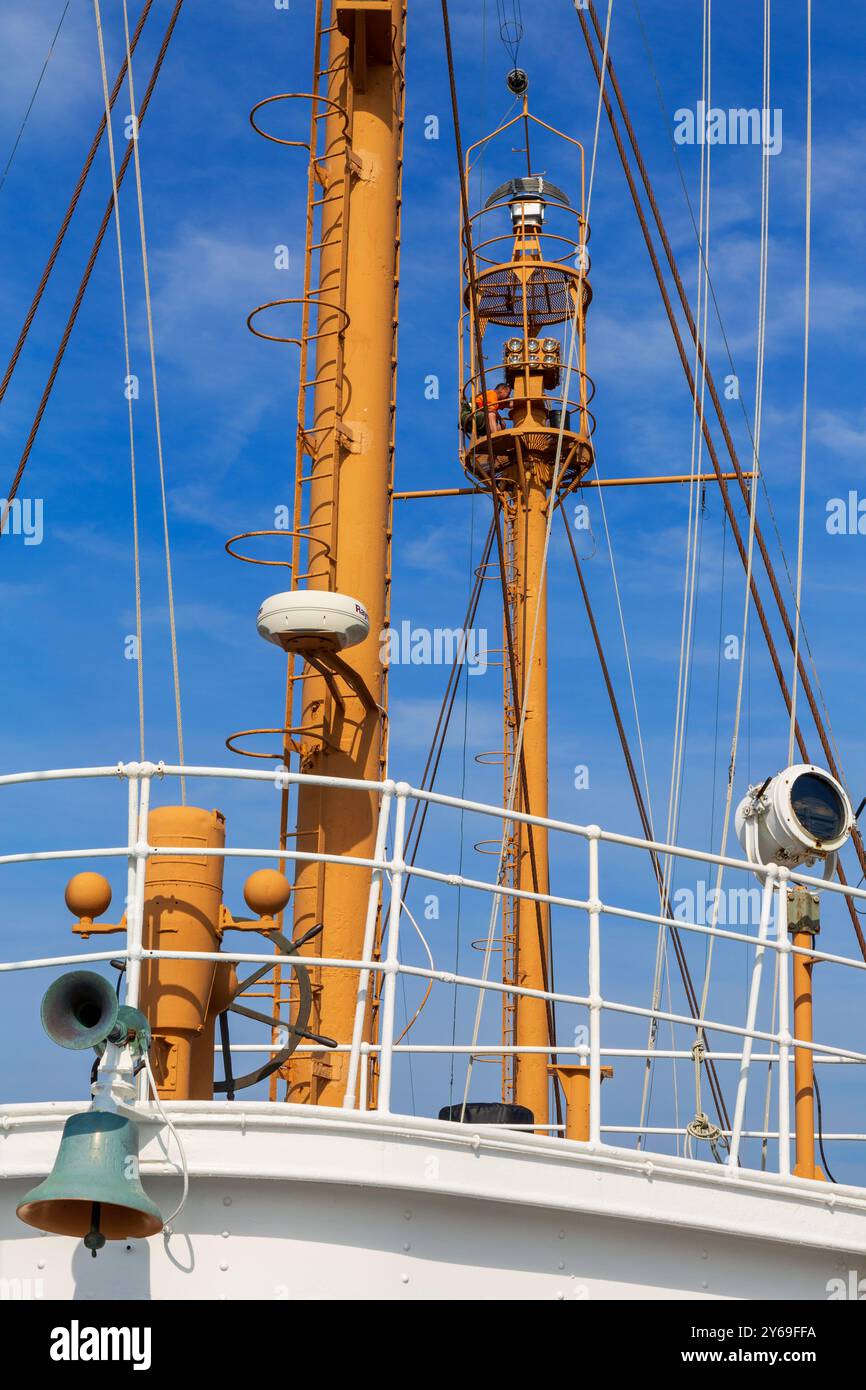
x=349 y=455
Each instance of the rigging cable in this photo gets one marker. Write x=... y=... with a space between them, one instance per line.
x=693 y=539
x=67 y=217
x=644 y=814
x=445 y=710
x=437 y=746
x=34 y=96
x=832 y=759
x=461 y=830
x=464 y=751
x=698 y=400
x=184 y=1166
x=557 y=470
x=128 y=392
x=626 y=646
x=599 y=70
x=832 y=762
x=719 y=648
x=764 y=488
x=821 y=1129
x=12 y=491
x=806 y=297
x=511 y=29
x=151 y=344
x=756 y=464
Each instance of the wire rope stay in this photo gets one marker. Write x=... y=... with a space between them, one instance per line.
x=12 y=490
x=148 y=303
x=742 y=478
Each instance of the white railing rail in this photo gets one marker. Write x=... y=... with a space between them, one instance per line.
x=391 y=867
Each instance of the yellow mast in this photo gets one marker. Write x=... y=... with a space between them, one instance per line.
x=350 y=454
x=530 y=494
x=803 y=928
x=530 y=455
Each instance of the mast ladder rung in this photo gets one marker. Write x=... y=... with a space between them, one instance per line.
x=310 y=430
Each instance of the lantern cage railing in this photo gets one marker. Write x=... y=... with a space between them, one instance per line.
x=523 y=284
x=554 y=415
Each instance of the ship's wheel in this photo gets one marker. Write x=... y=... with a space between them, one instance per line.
x=297 y=1031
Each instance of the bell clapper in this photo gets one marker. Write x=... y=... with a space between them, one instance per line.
x=94 y=1240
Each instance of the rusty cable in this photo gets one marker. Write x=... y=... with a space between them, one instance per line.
x=73 y=203
x=431 y=766
x=768 y=565
x=88 y=270
x=726 y=497
x=437 y=747
x=679 y=949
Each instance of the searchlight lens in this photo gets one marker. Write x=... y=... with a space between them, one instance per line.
x=818 y=807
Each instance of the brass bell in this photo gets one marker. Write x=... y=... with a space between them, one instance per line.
x=94 y=1190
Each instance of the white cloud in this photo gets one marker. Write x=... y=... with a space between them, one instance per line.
x=842 y=434
x=72 y=75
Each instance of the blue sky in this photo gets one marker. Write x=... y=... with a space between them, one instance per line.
x=218 y=200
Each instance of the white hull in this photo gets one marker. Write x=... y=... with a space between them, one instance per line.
x=285 y=1204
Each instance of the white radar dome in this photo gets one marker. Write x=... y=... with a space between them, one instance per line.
x=295 y=619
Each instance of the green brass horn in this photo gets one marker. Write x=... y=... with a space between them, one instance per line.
x=79 y=1010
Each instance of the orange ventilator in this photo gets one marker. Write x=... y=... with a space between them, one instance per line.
x=182 y=901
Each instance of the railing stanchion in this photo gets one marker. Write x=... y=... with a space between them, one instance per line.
x=594 y=988
x=389 y=985
x=135 y=910
x=751 y=1015
x=784 y=1037
x=373 y=902
x=364 y=1078
x=133 y=967
x=772 y=942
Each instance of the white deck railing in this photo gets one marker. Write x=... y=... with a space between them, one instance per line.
x=390 y=865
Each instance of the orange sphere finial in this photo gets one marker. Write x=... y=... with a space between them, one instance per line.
x=266 y=892
x=88 y=895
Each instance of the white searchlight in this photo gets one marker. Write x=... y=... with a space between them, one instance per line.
x=800 y=816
